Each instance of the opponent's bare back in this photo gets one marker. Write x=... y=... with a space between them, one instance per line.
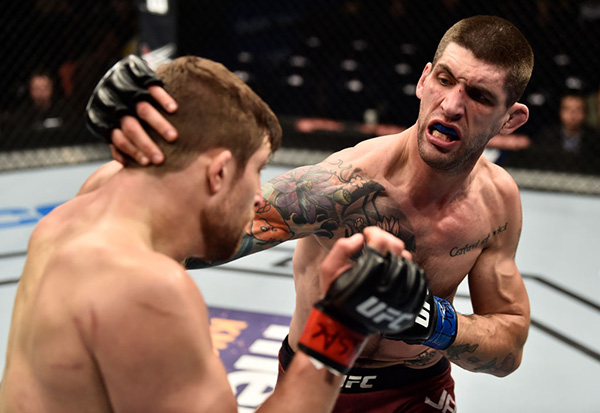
x=84 y=301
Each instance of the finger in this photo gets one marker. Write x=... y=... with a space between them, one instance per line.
x=339 y=259
x=383 y=241
x=156 y=121
x=406 y=254
x=124 y=145
x=116 y=155
x=163 y=98
x=143 y=145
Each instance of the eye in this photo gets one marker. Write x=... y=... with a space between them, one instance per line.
x=480 y=97
x=444 y=81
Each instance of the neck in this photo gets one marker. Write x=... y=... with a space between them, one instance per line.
x=157 y=208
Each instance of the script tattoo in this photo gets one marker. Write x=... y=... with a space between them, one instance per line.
x=470 y=246
x=330 y=199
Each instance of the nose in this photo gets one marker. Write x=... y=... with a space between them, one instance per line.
x=453 y=104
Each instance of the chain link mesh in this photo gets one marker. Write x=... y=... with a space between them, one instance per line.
x=349 y=67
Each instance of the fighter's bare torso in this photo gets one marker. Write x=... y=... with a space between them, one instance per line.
x=375 y=183
x=86 y=314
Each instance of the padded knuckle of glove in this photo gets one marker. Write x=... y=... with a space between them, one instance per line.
x=116 y=94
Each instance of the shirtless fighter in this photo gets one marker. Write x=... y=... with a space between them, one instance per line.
x=459 y=215
x=107 y=320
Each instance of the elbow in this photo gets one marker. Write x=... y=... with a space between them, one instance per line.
x=509 y=365
x=511 y=362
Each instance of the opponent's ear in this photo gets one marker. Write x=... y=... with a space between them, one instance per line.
x=517 y=116
x=421 y=82
x=219 y=170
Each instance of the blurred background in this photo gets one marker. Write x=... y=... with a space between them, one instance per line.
x=334 y=71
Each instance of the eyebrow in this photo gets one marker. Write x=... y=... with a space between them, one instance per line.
x=489 y=95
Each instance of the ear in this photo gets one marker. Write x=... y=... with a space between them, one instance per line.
x=517 y=116
x=219 y=170
x=421 y=83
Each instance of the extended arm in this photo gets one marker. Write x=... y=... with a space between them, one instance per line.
x=330 y=199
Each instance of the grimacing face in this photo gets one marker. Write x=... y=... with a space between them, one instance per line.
x=462 y=108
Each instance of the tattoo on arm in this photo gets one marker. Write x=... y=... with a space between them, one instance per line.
x=322 y=200
x=504 y=366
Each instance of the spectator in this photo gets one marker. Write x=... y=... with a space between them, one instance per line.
x=570 y=146
x=39 y=116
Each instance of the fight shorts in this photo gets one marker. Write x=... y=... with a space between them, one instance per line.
x=390 y=389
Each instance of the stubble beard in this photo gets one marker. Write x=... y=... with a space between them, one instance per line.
x=222 y=234
x=446 y=163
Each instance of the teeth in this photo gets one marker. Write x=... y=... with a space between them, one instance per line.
x=440 y=135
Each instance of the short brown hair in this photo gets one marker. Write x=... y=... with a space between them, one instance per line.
x=496 y=41
x=215 y=109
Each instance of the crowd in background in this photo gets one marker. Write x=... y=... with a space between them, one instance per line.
x=348 y=60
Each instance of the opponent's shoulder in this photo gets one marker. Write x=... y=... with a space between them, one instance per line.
x=147 y=290
x=100 y=176
x=151 y=277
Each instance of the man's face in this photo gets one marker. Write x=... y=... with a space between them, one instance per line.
x=462 y=108
x=572 y=112
x=40 y=89
x=225 y=226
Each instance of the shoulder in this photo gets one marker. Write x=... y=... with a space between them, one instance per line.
x=500 y=202
x=494 y=180
x=100 y=176
x=126 y=290
x=371 y=156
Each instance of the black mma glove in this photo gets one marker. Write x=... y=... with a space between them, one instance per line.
x=435 y=325
x=116 y=94
x=379 y=294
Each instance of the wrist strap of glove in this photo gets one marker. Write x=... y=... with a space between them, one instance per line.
x=330 y=341
x=446 y=327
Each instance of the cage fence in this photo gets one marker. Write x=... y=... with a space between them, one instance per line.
x=335 y=71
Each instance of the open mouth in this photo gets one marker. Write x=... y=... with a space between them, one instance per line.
x=442 y=132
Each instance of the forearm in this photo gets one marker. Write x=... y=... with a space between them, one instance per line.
x=489 y=343
x=304 y=388
x=248 y=245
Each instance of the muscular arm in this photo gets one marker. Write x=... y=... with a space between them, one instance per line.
x=492 y=339
x=330 y=199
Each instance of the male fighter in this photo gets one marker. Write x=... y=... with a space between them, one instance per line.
x=107 y=320
x=459 y=215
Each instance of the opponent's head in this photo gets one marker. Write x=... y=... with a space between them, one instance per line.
x=215 y=110
x=219 y=119
x=496 y=41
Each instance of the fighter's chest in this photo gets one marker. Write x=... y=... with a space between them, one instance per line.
x=446 y=241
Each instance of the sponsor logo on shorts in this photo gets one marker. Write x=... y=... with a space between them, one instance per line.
x=446 y=403
x=363 y=382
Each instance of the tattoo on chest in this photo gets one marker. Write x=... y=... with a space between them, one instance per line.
x=470 y=246
x=337 y=198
